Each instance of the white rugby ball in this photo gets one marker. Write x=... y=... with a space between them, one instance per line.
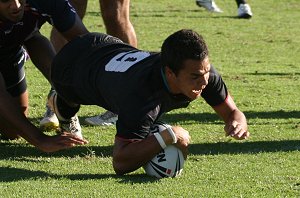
x=168 y=162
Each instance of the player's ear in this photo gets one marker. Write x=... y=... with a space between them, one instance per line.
x=168 y=71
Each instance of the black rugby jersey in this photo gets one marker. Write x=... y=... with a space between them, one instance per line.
x=56 y=12
x=124 y=80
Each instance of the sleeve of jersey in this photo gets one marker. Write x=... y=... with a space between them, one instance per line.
x=215 y=92
x=136 y=125
x=59 y=13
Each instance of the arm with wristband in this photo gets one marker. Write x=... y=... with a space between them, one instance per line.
x=161 y=140
x=129 y=156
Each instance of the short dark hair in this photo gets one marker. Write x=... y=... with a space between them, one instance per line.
x=180 y=46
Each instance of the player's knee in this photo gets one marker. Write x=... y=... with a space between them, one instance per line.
x=119 y=170
x=120 y=167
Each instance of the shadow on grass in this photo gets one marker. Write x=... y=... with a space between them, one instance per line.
x=211 y=117
x=11 y=174
x=30 y=154
x=273 y=74
x=244 y=147
x=20 y=152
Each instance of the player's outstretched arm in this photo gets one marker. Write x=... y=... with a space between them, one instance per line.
x=129 y=155
x=27 y=130
x=235 y=120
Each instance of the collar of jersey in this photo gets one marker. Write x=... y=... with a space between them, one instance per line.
x=164 y=79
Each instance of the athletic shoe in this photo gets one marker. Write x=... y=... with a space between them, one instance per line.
x=49 y=121
x=209 y=5
x=71 y=125
x=244 y=11
x=106 y=119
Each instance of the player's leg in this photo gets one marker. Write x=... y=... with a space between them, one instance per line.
x=56 y=38
x=66 y=85
x=209 y=5
x=66 y=114
x=244 y=9
x=49 y=120
x=116 y=17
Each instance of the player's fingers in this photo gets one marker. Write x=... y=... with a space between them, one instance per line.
x=235 y=131
x=185 y=153
x=229 y=130
x=66 y=146
x=74 y=138
x=245 y=135
x=242 y=135
x=70 y=140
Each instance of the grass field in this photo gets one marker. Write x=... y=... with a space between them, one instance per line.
x=259 y=60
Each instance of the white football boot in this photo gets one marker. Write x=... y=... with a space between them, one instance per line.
x=209 y=5
x=106 y=119
x=244 y=11
x=71 y=125
x=49 y=121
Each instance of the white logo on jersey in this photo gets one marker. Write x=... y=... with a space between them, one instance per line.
x=12 y=27
x=123 y=61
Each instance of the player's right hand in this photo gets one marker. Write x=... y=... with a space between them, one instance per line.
x=183 y=139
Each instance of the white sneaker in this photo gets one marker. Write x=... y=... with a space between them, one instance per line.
x=106 y=119
x=244 y=11
x=209 y=5
x=49 y=121
x=71 y=125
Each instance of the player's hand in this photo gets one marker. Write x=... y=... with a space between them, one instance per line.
x=236 y=130
x=183 y=139
x=59 y=142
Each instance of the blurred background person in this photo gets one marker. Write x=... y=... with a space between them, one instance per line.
x=244 y=9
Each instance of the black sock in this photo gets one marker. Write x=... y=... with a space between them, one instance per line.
x=238 y=2
x=64 y=109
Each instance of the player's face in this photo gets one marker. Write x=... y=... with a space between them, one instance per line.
x=192 y=79
x=12 y=10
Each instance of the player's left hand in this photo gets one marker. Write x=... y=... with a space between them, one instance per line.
x=236 y=130
x=59 y=142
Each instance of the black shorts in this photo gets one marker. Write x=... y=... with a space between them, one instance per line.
x=13 y=73
x=63 y=76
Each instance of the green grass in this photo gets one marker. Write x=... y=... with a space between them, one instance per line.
x=258 y=59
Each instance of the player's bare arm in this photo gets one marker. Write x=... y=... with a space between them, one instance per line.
x=28 y=131
x=131 y=155
x=235 y=121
